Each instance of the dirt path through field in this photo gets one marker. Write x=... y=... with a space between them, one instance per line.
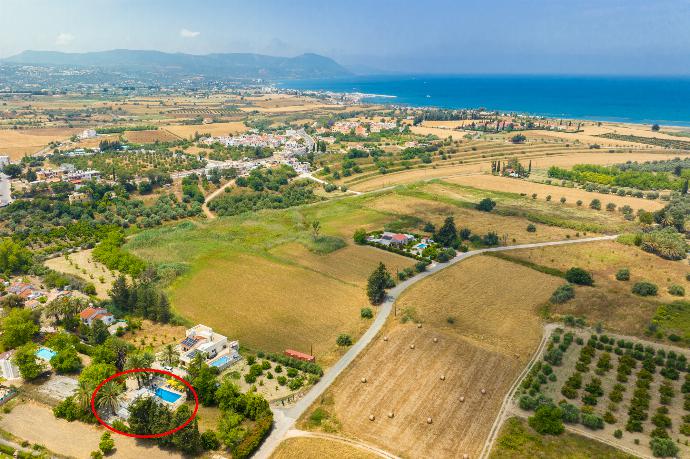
x=357 y=444
x=210 y=215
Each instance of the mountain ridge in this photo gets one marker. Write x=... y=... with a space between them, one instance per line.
x=234 y=65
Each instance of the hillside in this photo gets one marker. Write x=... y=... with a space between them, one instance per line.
x=226 y=65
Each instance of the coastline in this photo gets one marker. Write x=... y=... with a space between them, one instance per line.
x=629 y=100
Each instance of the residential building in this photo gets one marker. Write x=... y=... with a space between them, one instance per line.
x=388 y=238
x=202 y=339
x=89 y=315
x=87 y=134
x=8 y=370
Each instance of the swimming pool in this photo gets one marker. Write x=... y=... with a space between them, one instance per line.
x=166 y=395
x=421 y=245
x=220 y=362
x=45 y=353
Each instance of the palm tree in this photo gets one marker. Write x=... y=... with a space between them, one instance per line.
x=170 y=357
x=83 y=395
x=140 y=360
x=109 y=396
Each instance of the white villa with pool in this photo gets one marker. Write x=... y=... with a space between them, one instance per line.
x=218 y=351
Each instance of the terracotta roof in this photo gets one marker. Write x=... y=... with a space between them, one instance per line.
x=90 y=311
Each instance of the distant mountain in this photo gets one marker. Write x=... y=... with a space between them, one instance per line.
x=226 y=65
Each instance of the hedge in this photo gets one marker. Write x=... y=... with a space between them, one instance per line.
x=254 y=437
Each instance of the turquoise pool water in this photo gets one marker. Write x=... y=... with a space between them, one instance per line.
x=220 y=362
x=170 y=397
x=46 y=353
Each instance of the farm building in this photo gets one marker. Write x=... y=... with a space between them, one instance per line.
x=299 y=355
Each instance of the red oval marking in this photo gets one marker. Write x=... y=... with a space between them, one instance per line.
x=144 y=370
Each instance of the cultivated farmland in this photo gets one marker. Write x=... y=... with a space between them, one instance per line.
x=484 y=336
x=317 y=448
x=572 y=195
x=619 y=389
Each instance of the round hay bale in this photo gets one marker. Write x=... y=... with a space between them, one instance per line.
x=419 y=325
x=443 y=377
x=391 y=414
x=385 y=338
x=483 y=391
x=411 y=346
x=371 y=417
x=429 y=420
x=364 y=380
x=435 y=340
x=462 y=399
x=465 y=456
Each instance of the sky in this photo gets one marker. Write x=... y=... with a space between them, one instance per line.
x=630 y=37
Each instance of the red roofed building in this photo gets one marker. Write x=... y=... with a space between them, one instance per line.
x=299 y=355
x=90 y=314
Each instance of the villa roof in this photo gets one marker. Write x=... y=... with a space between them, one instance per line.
x=91 y=311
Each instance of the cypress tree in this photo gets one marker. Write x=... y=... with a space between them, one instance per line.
x=377 y=283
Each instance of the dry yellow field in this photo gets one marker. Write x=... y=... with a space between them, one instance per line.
x=273 y=305
x=352 y=264
x=20 y=142
x=610 y=301
x=155 y=334
x=572 y=195
x=215 y=129
x=318 y=448
x=479 y=222
x=84 y=266
x=540 y=161
x=160 y=135
x=36 y=424
x=486 y=328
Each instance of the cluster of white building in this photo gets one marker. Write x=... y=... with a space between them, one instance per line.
x=66 y=173
x=293 y=141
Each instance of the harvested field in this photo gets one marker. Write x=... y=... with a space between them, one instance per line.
x=36 y=424
x=215 y=129
x=20 y=142
x=159 y=135
x=610 y=301
x=84 y=266
x=540 y=160
x=485 y=336
x=479 y=222
x=352 y=264
x=572 y=195
x=271 y=306
x=318 y=448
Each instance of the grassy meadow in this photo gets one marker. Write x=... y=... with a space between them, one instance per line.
x=263 y=278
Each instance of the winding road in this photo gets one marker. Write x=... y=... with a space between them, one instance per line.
x=284 y=419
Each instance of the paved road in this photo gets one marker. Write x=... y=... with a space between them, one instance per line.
x=284 y=419
x=5 y=190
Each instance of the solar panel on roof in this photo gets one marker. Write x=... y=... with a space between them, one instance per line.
x=188 y=342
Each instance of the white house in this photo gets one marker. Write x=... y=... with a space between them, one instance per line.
x=91 y=314
x=202 y=339
x=88 y=134
x=8 y=370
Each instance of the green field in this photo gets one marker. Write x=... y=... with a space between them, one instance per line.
x=263 y=278
x=516 y=439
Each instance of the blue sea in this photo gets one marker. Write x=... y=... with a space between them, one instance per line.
x=663 y=100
